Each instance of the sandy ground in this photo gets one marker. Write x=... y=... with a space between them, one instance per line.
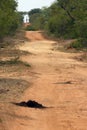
x=60 y=84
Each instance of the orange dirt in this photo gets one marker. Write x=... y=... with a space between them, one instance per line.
x=60 y=84
x=35 y=35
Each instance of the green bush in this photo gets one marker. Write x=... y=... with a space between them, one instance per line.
x=30 y=28
x=9 y=18
x=81 y=28
x=79 y=44
x=63 y=19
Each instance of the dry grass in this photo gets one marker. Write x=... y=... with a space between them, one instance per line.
x=81 y=57
x=12 y=69
x=12 y=88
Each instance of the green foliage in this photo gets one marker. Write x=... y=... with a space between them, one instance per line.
x=79 y=44
x=59 y=25
x=30 y=28
x=39 y=18
x=81 y=28
x=9 y=17
x=34 y=16
x=64 y=18
x=34 y=11
x=20 y=17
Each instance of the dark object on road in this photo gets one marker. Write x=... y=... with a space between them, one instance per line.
x=34 y=104
x=3 y=91
x=30 y=103
x=21 y=104
x=67 y=82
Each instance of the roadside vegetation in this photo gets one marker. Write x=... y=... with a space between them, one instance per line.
x=10 y=18
x=65 y=19
x=11 y=33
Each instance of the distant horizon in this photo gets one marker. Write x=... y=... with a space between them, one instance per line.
x=25 y=5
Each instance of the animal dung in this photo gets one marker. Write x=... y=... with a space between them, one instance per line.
x=31 y=104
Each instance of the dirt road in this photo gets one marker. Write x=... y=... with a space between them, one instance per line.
x=60 y=85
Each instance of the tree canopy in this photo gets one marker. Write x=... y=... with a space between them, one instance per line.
x=9 y=17
x=64 y=18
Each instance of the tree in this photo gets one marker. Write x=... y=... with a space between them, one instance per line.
x=9 y=17
x=39 y=17
x=33 y=11
x=33 y=14
x=69 y=18
x=74 y=8
x=64 y=18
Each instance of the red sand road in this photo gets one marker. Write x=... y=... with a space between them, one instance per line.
x=61 y=85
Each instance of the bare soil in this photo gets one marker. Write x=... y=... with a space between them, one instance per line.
x=55 y=80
